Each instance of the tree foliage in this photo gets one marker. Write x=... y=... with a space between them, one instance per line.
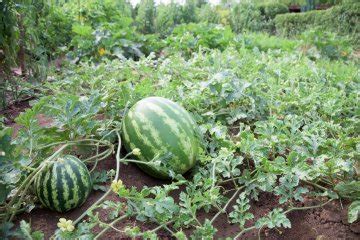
x=145 y=18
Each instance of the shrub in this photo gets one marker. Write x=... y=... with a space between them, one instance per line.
x=317 y=43
x=214 y=14
x=342 y=19
x=95 y=13
x=249 y=16
x=8 y=36
x=188 y=38
x=245 y=16
x=109 y=40
x=106 y=30
x=172 y=14
x=294 y=23
x=265 y=42
x=145 y=18
x=224 y=14
x=208 y=14
x=168 y=15
x=55 y=28
x=268 y=12
x=189 y=12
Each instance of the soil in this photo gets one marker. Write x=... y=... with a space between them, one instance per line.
x=329 y=222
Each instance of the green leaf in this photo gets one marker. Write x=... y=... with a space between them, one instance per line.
x=6 y=231
x=9 y=160
x=349 y=190
x=206 y=231
x=83 y=30
x=99 y=178
x=354 y=211
x=240 y=214
x=180 y=235
x=276 y=218
x=287 y=189
x=25 y=232
x=4 y=191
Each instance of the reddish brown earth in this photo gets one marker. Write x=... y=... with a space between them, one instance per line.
x=328 y=222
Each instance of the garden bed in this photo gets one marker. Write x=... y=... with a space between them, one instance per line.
x=329 y=222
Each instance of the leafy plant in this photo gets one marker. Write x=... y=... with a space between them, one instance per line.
x=272 y=119
x=192 y=37
x=145 y=18
x=327 y=44
x=245 y=16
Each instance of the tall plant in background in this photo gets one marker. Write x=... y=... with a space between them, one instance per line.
x=208 y=14
x=7 y=49
x=145 y=18
x=189 y=11
x=98 y=12
x=245 y=16
x=200 y=3
x=268 y=13
x=102 y=30
x=167 y=17
x=20 y=46
x=8 y=25
x=35 y=58
x=256 y=17
x=55 y=30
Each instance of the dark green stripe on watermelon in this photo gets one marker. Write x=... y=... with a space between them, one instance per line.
x=64 y=185
x=41 y=194
x=48 y=185
x=83 y=189
x=60 y=185
x=72 y=192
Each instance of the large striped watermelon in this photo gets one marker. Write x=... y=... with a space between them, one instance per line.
x=161 y=128
x=64 y=185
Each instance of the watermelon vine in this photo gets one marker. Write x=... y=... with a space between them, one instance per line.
x=201 y=130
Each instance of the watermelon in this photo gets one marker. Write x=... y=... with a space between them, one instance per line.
x=64 y=184
x=161 y=129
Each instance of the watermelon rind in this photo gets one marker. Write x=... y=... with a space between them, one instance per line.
x=64 y=185
x=162 y=129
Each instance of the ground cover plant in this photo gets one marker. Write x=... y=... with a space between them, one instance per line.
x=269 y=119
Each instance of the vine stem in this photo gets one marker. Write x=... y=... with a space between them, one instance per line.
x=139 y=162
x=169 y=230
x=100 y=156
x=72 y=142
x=213 y=175
x=234 y=178
x=307 y=208
x=28 y=168
x=315 y=185
x=110 y=225
x=286 y=212
x=161 y=226
x=23 y=191
x=226 y=205
x=118 y=157
x=244 y=231
x=109 y=152
x=229 y=201
x=109 y=190
x=92 y=207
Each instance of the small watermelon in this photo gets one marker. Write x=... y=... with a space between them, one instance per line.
x=163 y=129
x=65 y=184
